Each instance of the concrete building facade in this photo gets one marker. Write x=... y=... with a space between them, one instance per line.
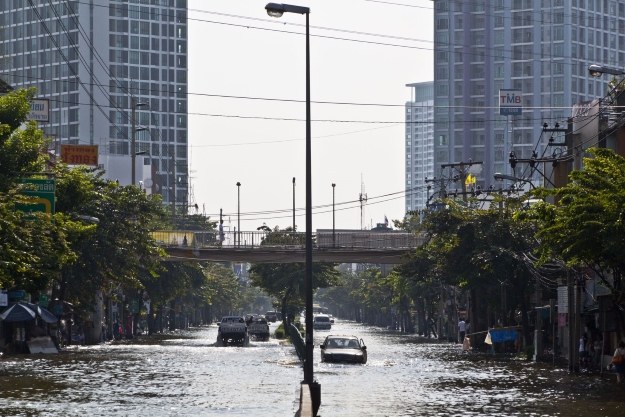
x=99 y=62
x=419 y=144
x=536 y=50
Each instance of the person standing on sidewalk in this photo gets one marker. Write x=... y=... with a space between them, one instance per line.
x=462 y=329
x=618 y=361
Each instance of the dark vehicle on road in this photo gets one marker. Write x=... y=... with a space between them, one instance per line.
x=272 y=316
x=346 y=349
x=258 y=329
x=232 y=330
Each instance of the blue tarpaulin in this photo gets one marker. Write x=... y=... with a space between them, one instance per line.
x=502 y=335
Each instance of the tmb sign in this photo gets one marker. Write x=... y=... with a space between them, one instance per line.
x=510 y=103
x=80 y=154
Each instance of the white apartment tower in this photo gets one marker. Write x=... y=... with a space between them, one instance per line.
x=538 y=48
x=419 y=144
x=98 y=62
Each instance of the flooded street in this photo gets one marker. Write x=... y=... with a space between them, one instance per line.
x=189 y=376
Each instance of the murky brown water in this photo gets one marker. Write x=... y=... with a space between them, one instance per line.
x=189 y=376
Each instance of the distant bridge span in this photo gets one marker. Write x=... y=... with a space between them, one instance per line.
x=339 y=246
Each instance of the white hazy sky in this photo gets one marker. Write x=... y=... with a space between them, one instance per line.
x=247 y=75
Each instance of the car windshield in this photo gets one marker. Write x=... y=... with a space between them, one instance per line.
x=340 y=343
x=233 y=320
x=322 y=319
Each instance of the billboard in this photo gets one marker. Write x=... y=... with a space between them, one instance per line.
x=80 y=154
x=510 y=103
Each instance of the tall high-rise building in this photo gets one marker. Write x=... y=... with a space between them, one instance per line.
x=98 y=63
x=536 y=54
x=419 y=144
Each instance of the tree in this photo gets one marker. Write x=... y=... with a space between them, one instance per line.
x=109 y=227
x=22 y=144
x=286 y=281
x=476 y=250
x=32 y=248
x=586 y=225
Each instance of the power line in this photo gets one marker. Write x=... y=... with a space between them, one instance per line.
x=321 y=209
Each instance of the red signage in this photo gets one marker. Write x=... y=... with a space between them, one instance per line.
x=80 y=154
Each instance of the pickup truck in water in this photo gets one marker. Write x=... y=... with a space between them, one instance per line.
x=232 y=331
x=258 y=328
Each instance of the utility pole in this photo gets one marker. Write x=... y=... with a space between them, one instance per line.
x=363 y=201
x=133 y=146
x=133 y=133
x=441 y=189
x=173 y=184
x=462 y=168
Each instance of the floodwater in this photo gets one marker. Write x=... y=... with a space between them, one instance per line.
x=190 y=376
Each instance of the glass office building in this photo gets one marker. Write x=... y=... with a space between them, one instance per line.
x=98 y=62
x=419 y=145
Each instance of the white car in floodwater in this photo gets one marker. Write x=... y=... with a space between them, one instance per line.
x=322 y=322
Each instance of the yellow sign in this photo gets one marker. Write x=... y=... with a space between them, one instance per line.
x=470 y=180
x=80 y=154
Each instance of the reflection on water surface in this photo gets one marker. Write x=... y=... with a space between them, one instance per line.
x=190 y=376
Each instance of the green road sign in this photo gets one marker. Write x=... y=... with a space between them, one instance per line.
x=43 y=192
x=43 y=300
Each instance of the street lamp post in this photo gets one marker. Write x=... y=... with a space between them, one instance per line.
x=238 y=236
x=277 y=10
x=333 y=224
x=293 y=204
x=501 y=177
x=133 y=149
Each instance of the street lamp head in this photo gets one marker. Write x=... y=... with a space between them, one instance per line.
x=333 y=185
x=500 y=177
x=238 y=184
x=274 y=9
x=597 y=70
x=278 y=9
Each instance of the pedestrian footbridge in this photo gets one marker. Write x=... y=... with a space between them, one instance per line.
x=340 y=246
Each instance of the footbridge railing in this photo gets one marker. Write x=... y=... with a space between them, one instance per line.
x=359 y=246
x=322 y=238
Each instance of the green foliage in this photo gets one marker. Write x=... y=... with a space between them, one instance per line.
x=33 y=249
x=286 y=281
x=21 y=150
x=99 y=239
x=280 y=333
x=108 y=229
x=589 y=225
x=586 y=225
